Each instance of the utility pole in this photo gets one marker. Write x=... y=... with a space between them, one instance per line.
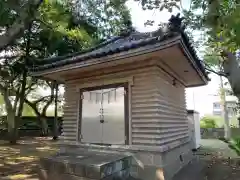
x=227 y=133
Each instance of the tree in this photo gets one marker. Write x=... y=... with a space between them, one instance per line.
x=219 y=22
x=21 y=15
x=65 y=32
x=110 y=17
x=40 y=104
x=51 y=30
x=209 y=122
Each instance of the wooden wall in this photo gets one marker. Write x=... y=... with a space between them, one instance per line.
x=158 y=114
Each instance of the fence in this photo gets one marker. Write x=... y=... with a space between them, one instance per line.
x=29 y=126
x=215 y=133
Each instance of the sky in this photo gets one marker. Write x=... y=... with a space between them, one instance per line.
x=200 y=98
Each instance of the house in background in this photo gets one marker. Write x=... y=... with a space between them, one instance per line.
x=127 y=96
x=231 y=102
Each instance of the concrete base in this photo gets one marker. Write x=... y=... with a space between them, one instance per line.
x=85 y=166
x=141 y=164
x=175 y=159
x=146 y=165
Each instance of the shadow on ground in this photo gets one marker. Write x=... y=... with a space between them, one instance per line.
x=20 y=161
x=214 y=161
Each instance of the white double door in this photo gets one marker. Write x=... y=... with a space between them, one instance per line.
x=103 y=116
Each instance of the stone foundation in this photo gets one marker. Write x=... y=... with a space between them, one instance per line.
x=145 y=164
x=85 y=166
x=99 y=162
x=176 y=159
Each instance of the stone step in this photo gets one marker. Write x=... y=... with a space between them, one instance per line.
x=85 y=165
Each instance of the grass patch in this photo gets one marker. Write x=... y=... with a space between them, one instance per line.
x=235 y=145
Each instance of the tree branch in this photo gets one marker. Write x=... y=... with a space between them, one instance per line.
x=33 y=106
x=2 y=88
x=16 y=99
x=30 y=86
x=24 y=75
x=4 y=92
x=45 y=23
x=10 y=57
x=46 y=107
x=50 y=100
x=215 y=72
x=16 y=29
x=208 y=68
x=41 y=99
x=28 y=90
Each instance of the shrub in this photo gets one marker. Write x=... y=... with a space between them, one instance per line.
x=208 y=122
x=235 y=144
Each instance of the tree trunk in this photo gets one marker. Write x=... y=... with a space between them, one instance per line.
x=12 y=130
x=232 y=70
x=40 y=116
x=11 y=119
x=44 y=125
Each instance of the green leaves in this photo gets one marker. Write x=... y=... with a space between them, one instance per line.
x=109 y=17
x=60 y=27
x=220 y=22
x=160 y=4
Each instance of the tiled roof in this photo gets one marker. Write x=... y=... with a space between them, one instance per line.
x=124 y=42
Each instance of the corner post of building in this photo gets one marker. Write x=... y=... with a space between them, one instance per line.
x=55 y=127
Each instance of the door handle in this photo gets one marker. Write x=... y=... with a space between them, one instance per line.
x=101 y=121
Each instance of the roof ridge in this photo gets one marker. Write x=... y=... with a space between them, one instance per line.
x=100 y=45
x=104 y=43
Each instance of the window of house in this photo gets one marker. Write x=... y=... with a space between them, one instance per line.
x=216 y=105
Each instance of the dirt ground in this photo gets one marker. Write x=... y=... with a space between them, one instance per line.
x=220 y=164
x=213 y=161
x=20 y=161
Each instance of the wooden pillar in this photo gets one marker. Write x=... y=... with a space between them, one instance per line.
x=55 y=130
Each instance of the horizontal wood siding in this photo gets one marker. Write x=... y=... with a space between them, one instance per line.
x=158 y=109
x=140 y=91
x=70 y=115
x=159 y=114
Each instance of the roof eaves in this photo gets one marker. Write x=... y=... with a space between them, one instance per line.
x=135 y=52
x=175 y=28
x=192 y=55
x=59 y=58
x=82 y=57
